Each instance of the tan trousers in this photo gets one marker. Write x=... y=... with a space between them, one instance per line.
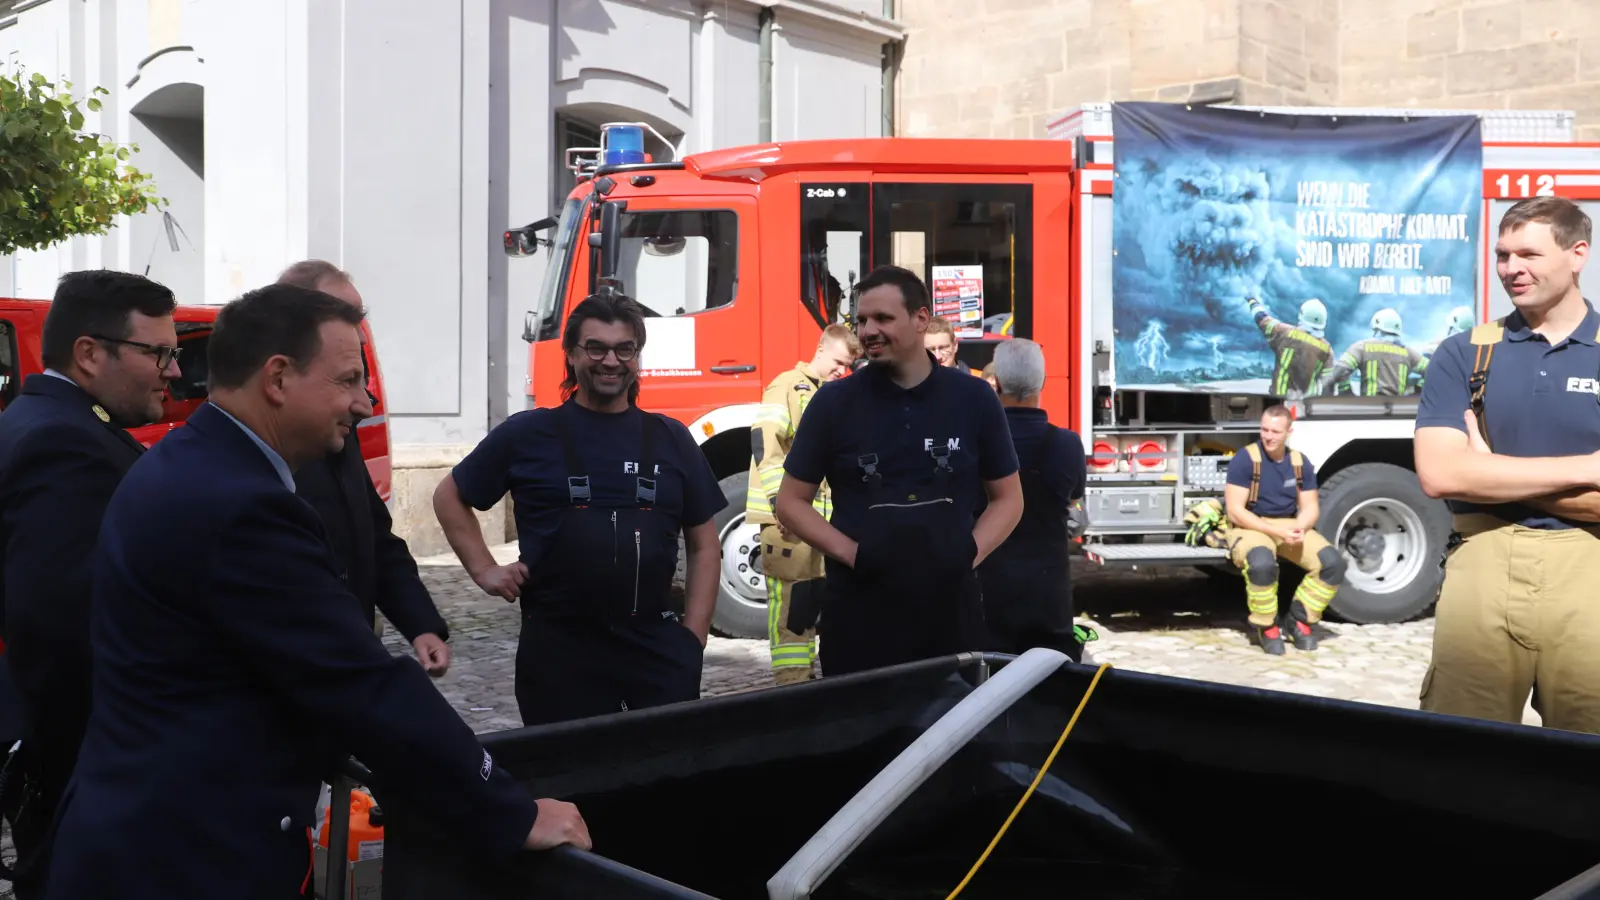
x=794 y=654
x=1518 y=612
x=1261 y=592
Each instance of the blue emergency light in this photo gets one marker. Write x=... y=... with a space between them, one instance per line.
x=621 y=145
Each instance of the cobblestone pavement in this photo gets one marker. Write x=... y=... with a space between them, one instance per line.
x=1173 y=622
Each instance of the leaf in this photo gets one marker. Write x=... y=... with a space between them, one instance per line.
x=56 y=181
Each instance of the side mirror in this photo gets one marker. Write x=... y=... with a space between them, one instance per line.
x=610 y=238
x=524 y=241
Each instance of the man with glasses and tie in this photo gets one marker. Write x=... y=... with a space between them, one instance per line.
x=110 y=347
x=601 y=490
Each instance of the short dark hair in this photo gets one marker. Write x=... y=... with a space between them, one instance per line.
x=911 y=287
x=608 y=308
x=277 y=319
x=308 y=273
x=1568 y=223
x=99 y=302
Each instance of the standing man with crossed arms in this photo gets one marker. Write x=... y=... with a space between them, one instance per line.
x=794 y=570
x=1514 y=450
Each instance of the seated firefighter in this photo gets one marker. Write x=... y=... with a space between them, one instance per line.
x=1270 y=506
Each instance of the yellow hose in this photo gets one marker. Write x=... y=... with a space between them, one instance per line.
x=1036 y=779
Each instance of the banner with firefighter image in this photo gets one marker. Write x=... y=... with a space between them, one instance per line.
x=1290 y=255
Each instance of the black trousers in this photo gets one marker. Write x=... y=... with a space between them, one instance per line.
x=863 y=629
x=576 y=669
x=1028 y=605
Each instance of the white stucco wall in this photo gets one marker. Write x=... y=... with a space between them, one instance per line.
x=399 y=138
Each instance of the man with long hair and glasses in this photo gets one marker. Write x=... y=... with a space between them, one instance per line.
x=601 y=490
x=110 y=347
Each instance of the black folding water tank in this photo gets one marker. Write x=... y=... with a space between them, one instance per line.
x=1167 y=787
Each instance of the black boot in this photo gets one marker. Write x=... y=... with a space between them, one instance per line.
x=1295 y=624
x=1270 y=638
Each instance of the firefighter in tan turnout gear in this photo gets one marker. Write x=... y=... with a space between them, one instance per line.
x=1271 y=503
x=1300 y=351
x=1383 y=363
x=793 y=570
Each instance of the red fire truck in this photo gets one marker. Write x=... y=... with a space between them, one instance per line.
x=742 y=255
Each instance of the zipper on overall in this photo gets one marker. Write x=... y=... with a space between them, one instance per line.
x=613 y=537
x=638 y=559
x=911 y=505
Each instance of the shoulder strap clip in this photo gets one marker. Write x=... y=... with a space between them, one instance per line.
x=1484 y=337
x=1254 y=452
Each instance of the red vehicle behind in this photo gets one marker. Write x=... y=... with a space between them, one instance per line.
x=21 y=331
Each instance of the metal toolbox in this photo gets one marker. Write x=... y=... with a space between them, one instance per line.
x=1131 y=506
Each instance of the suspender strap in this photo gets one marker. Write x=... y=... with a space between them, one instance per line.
x=1298 y=461
x=578 y=488
x=577 y=475
x=1255 y=474
x=1484 y=339
x=868 y=462
x=645 y=486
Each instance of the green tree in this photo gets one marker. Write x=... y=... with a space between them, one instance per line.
x=55 y=180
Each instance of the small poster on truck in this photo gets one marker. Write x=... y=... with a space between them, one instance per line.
x=958 y=296
x=1290 y=255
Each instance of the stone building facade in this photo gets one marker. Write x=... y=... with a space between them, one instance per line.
x=1003 y=68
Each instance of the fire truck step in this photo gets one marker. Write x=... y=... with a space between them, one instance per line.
x=1152 y=554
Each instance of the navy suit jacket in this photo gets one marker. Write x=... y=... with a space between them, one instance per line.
x=59 y=465
x=228 y=654
x=375 y=562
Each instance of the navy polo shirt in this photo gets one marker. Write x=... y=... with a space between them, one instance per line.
x=523 y=456
x=1540 y=401
x=1278 y=495
x=866 y=412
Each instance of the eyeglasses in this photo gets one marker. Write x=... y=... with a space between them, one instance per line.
x=165 y=356
x=597 y=351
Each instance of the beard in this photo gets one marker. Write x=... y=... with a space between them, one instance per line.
x=595 y=383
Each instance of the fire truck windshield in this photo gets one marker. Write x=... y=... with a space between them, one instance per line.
x=547 y=315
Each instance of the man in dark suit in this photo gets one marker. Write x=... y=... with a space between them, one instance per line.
x=109 y=349
x=220 y=683
x=376 y=562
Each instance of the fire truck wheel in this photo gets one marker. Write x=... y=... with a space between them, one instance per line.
x=742 y=587
x=1391 y=536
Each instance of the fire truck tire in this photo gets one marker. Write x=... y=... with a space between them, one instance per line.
x=1391 y=536
x=741 y=585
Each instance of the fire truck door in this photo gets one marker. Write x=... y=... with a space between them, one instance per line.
x=694 y=270
x=972 y=243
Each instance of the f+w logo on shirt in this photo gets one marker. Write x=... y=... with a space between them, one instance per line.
x=952 y=443
x=632 y=468
x=1583 y=385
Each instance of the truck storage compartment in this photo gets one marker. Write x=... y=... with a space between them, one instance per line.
x=1166 y=788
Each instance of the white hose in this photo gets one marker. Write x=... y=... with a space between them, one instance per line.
x=843 y=833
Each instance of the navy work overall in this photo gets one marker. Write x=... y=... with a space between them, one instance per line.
x=912 y=593
x=1027 y=597
x=599 y=634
